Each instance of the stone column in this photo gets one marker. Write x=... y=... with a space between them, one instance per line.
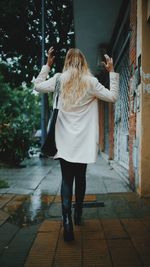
x=144 y=116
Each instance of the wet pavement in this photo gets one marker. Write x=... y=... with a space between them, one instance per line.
x=42 y=176
x=116 y=229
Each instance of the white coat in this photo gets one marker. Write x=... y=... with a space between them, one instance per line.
x=77 y=131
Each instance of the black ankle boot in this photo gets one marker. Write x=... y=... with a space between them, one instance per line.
x=78 y=216
x=68 y=228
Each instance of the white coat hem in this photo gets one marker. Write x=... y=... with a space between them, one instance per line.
x=59 y=156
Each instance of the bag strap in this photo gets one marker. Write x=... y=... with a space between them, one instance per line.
x=57 y=89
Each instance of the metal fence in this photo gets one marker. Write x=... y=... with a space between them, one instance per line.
x=121 y=131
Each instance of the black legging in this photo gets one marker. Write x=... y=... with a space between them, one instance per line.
x=69 y=172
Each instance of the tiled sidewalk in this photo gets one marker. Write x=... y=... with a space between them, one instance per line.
x=106 y=243
x=116 y=230
x=114 y=235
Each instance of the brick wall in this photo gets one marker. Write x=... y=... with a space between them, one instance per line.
x=132 y=114
x=133 y=28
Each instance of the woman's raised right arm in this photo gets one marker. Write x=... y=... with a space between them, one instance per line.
x=41 y=84
x=103 y=93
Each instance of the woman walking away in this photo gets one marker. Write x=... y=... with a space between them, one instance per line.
x=77 y=126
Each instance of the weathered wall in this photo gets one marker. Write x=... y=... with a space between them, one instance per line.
x=144 y=188
x=139 y=98
x=132 y=113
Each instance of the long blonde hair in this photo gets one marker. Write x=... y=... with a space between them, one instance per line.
x=75 y=78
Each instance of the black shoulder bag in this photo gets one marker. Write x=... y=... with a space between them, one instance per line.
x=49 y=147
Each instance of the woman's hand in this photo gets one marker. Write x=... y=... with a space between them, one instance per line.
x=50 y=58
x=108 y=64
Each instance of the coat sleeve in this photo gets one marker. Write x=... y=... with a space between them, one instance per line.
x=41 y=84
x=103 y=93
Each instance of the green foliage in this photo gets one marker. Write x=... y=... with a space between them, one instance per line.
x=3 y=184
x=19 y=117
x=20 y=53
x=20 y=35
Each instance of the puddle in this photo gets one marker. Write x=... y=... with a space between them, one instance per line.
x=33 y=210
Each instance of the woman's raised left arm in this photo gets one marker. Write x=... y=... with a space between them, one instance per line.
x=40 y=83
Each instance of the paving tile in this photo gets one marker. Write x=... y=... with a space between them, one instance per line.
x=97 y=186
x=12 y=207
x=134 y=227
x=43 y=250
x=90 y=230
x=123 y=253
x=116 y=186
x=15 y=203
x=50 y=187
x=93 y=235
x=113 y=229
x=7 y=232
x=55 y=210
x=18 y=247
x=146 y=222
x=88 y=197
x=146 y=201
x=127 y=265
x=139 y=206
x=123 y=209
x=97 y=265
x=4 y=199
x=142 y=245
x=47 y=199
x=21 y=198
x=68 y=254
x=89 y=213
x=107 y=211
x=130 y=196
x=50 y=226
x=31 y=185
x=20 y=190
x=92 y=225
x=3 y=217
x=95 y=252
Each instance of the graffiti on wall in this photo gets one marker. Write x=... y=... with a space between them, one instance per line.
x=146 y=82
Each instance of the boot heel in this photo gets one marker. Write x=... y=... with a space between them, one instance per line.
x=68 y=234
x=68 y=229
x=77 y=219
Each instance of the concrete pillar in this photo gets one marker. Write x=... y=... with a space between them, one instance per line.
x=144 y=44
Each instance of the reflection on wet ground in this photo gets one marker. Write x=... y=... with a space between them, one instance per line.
x=34 y=209
x=30 y=210
x=33 y=195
